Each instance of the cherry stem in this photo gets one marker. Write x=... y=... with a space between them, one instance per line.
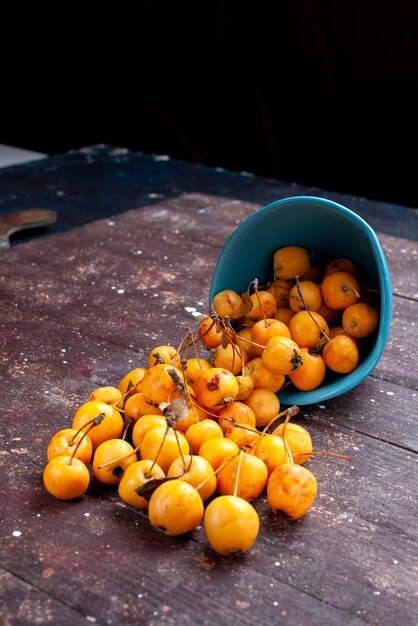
x=187 y=340
x=355 y=291
x=253 y=343
x=322 y=331
x=208 y=329
x=224 y=328
x=127 y=393
x=221 y=467
x=180 y=387
x=352 y=325
x=193 y=401
x=255 y=285
x=241 y=349
x=121 y=458
x=181 y=451
x=194 y=341
x=95 y=421
x=91 y=424
x=286 y=445
x=128 y=424
x=324 y=453
x=159 y=449
x=185 y=469
x=192 y=406
x=241 y=456
x=290 y=412
x=78 y=444
x=277 y=286
x=249 y=429
x=195 y=350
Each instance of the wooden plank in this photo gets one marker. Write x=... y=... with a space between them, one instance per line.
x=352 y=557
x=23 y=604
x=398 y=361
x=114 y=567
x=204 y=218
x=57 y=369
x=199 y=215
x=67 y=295
x=369 y=409
x=325 y=437
x=402 y=256
x=133 y=322
x=125 y=180
x=172 y=224
x=141 y=322
x=373 y=463
x=67 y=365
x=143 y=290
x=351 y=560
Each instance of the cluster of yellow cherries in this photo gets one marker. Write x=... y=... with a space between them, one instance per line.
x=304 y=323
x=192 y=439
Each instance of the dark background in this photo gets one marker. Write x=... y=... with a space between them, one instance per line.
x=321 y=93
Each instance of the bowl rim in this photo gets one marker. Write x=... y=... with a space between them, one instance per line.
x=348 y=381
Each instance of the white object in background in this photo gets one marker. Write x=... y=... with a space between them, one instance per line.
x=12 y=156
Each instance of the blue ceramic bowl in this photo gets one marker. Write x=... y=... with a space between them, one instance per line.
x=332 y=231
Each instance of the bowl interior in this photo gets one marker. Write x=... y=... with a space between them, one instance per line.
x=330 y=231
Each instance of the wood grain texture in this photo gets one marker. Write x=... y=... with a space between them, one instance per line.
x=99 y=181
x=352 y=552
x=79 y=310
x=22 y=604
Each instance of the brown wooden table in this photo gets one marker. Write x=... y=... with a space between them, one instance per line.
x=78 y=310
